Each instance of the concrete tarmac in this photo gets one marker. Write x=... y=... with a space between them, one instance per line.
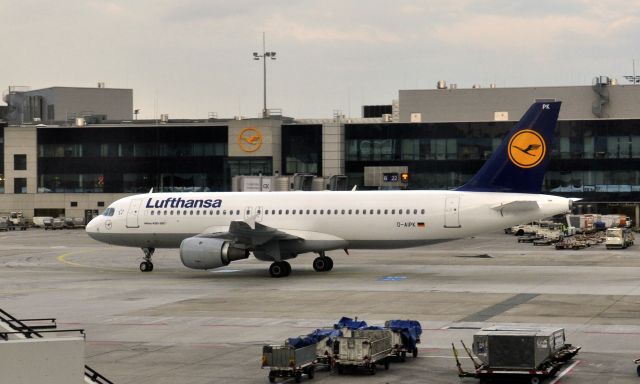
x=176 y=325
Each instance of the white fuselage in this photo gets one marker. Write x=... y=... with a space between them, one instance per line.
x=327 y=219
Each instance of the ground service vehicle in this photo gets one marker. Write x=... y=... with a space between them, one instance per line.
x=284 y=361
x=618 y=238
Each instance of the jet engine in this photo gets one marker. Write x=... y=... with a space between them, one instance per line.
x=206 y=253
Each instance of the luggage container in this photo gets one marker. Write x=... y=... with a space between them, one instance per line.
x=365 y=348
x=4 y=223
x=405 y=337
x=535 y=353
x=285 y=361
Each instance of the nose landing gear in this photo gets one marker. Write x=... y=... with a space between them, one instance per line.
x=147 y=265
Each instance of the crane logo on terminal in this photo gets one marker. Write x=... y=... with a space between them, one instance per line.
x=250 y=139
x=527 y=149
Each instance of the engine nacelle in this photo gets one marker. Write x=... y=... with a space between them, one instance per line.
x=206 y=253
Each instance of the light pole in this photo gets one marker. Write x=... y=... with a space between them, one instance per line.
x=264 y=56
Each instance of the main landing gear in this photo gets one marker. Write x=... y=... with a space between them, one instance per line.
x=280 y=269
x=322 y=263
x=147 y=265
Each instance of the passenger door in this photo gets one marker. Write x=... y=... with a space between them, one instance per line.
x=132 y=213
x=452 y=211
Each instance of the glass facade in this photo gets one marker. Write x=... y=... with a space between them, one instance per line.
x=132 y=159
x=595 y=159
x=302 y=149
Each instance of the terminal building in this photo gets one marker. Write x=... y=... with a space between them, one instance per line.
x=72 y=151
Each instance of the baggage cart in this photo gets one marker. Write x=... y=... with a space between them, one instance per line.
x=405 y=337
x=511 y=353
x=286 y=361
x=366 y=348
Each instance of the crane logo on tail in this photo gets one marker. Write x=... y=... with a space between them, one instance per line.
x=527 y=149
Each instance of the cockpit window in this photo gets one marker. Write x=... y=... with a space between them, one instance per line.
x=109 y=212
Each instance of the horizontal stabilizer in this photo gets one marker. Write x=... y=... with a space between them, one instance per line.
x=517 y=206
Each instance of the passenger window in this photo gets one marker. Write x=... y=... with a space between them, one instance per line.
x=273 y=211
x=190 y=212
x=308 y=211
x=378 y=211
x=422 y=211
x=393 y=211
x=286 y=212
x=177 y=212
x=171 y=213
x=342 y=212
x=357 y=211
x=322 y=211
x=328 y=211
x=364 y=211
x=279 y=211
x=152 y=213
x=386 y=211
x=198 y=212
x=293 y=212
x=315 y=211
x=400 y=211
x=258 y=212
x=224 y=212
x=371 y=211
x=349 y=211
x=335 y=211
x=415 y=211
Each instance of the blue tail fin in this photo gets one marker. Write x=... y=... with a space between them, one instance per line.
x=519 y=163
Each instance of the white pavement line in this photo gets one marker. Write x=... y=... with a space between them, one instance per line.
x=561 y=374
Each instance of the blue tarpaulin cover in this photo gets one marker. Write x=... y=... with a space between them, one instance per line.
x=349 y=323
x=409 y=329
x=314 y=337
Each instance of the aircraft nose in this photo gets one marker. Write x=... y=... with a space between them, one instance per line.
x=93 y=226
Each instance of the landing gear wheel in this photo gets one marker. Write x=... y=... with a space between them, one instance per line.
x=320 y=264
x=329 y=264
x=146 y=266
x=280 y=269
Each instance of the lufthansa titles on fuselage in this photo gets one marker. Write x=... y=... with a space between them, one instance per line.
x=178 y=202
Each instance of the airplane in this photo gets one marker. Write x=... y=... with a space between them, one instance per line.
x=213 y=229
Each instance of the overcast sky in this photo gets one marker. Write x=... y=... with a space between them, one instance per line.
x=192 y=57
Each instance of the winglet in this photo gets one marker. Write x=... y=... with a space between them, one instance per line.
x=354 y=187
x=151 y=190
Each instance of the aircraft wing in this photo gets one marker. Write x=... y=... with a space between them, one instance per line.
x=517 y=206
x=242 y=232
